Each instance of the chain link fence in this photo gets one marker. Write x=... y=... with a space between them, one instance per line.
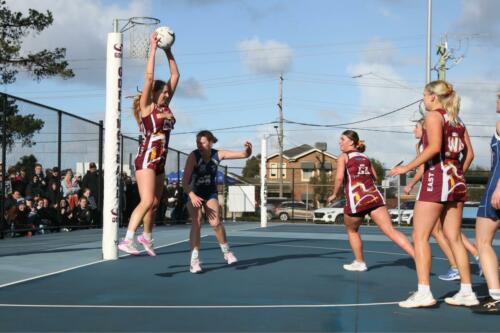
x=58 y=140
x=302 y=195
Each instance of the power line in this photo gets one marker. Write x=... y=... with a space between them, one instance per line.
x=228 y=128
x=355 y=122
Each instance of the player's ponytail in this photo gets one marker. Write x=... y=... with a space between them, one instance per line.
x=136 y=105
x=447 y=96
x=354 y=137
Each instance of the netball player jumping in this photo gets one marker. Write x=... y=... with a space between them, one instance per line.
x=356 y=172
x=442 y=191
x=199 y=184
x=153 y=115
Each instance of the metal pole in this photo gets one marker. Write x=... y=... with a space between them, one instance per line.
x=121 y=198
x=307 y=194
x=263 y=190
x=59 y=139
x=178 y=168
x=280 y=135
x=224 y=210
x=429 y=37
x=4 y=164
x=293 y=193
x=399 y=200
x=100 y=183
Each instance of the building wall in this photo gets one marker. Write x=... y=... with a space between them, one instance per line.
x=294 y=175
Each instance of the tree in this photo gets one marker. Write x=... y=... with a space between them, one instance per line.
x=379 y=169
x=18 y=127
x=43 y=64
x=28 y=162
x=251 y=169
x=40 y=65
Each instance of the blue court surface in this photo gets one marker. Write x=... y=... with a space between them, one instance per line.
x=289 y=278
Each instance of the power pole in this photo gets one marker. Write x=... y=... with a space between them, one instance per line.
x=444 y=55
x=280 y=135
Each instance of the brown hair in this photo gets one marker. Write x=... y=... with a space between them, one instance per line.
x=358 y=144
x=447 y=96
x=207 y=134
x=136 y=106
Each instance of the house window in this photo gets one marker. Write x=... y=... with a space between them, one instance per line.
x=307 y=174
x=307 y=170
x=274 y=170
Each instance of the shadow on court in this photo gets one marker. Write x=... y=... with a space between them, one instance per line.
x=283 y=282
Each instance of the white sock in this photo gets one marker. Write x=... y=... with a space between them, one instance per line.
x=130 y=235
x=147 y=235
x=465 y=288
x=194 y=254
x=495 y=294
x=224 y=248
x=424 y=288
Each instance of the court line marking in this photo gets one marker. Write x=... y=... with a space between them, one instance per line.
x=276 y=306
x=329 y=248
x=83 y=265
x=202 y=307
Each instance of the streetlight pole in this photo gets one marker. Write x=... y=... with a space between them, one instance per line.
x=428 y=50
x=280 y=135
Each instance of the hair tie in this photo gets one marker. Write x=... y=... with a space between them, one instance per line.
x=361 y=142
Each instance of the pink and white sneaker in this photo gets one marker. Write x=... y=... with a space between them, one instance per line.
x=195 y=266
x=128 y=246
x=147 y=244
x=230 y=258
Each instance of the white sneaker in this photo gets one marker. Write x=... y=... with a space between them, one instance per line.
x=418 y=300
x=230 y=258
x=356 y=266
x=195 y=266
x=462 y=299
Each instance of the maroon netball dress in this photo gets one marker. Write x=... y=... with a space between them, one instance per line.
x=361 y=193
x=156 y=129
x=443 y=178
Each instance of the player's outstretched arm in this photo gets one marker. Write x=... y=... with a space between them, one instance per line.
x=232 y=155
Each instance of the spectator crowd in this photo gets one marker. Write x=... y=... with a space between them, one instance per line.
x=38 y=201
x=50 y=200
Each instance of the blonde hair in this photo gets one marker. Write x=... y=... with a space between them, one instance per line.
x=447 y=96
x=136 y=104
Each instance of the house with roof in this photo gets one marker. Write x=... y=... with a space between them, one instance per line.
x=299 y=165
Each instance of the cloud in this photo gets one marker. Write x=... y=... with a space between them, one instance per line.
x=380 y=51
x=379 y=94
x=191 y=88
x=480 y=16
x=81 y=26
x=255 y=12
x=269 y=57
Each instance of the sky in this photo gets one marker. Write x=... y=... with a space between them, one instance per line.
x=341 y=61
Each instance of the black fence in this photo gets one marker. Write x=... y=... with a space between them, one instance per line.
x=56 y=139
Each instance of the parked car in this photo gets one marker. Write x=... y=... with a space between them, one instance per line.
x=470 y=213
x=295 y=209
x=406 y=213
x=334 y=213
x=271 y=204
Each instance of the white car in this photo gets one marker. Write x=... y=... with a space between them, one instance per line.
x=334 y=213
x=406 y=213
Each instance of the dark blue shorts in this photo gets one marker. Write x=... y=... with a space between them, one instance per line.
x=486 y=210
x=204 y=196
